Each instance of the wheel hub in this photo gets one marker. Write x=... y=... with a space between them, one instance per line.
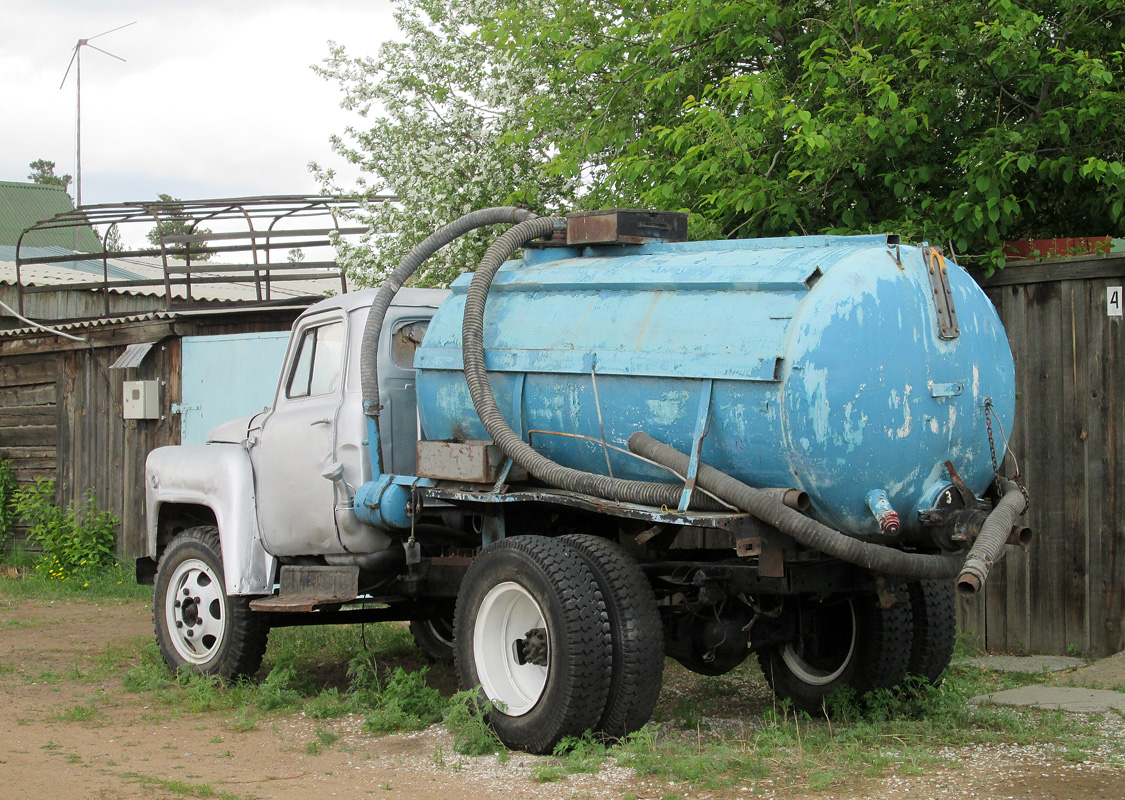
x=532 y=649
x=195 y=611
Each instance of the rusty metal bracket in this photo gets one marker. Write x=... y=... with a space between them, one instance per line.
x=943 y=295
x=750 y=546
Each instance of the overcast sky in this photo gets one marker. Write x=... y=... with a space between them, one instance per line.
x=216 y=97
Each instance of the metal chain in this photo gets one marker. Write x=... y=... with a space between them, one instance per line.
x=991 y=440
x=1017 y=478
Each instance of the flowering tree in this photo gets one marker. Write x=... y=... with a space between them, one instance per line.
x=440 y=107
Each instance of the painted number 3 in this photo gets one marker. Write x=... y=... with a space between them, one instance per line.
x=1113 y=301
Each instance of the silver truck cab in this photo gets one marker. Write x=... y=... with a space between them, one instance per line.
x=260 y=480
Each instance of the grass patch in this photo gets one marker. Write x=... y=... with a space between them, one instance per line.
x=182 y=788
x=115 y=582
x=303 y=672
x=888 y=732
x=78 y=713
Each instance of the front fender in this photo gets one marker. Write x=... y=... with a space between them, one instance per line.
x=220 y=477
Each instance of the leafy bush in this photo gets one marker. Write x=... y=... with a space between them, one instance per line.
x=73 y=541
x=7 y=492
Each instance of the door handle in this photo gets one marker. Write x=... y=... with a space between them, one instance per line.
x=320 y=422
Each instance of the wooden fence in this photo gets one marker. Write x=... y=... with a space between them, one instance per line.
x=1066 y=592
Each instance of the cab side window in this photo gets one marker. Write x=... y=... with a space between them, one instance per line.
x=319 y=361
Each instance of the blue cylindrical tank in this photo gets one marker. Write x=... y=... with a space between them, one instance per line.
x=817 y=363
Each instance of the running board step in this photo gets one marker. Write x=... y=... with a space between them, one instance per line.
x=304 y=589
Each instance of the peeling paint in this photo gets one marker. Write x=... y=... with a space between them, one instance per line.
x=904 y=430
x=668 y=408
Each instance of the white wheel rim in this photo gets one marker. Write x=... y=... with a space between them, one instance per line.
x=506 y=615
x=195 y=610
x=440 y=630
x=812 y=675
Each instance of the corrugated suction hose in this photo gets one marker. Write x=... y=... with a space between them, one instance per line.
x=807 y=531
x=543 y=468
x=369 y=348
x=989 y=545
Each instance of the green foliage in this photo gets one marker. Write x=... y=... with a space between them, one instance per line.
x=405 y=703
x=968 y=122
x=964 y=123
x=466 y=716
x=573 y=754
x=279 y=690
x=43 y=173
x=74 y=542
x=7 y=499
x=150 y=674
x=114 y=582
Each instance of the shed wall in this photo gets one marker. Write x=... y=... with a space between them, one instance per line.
x=61 y=416
x=28 y=419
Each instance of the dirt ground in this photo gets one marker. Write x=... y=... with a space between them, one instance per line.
x=53 y=668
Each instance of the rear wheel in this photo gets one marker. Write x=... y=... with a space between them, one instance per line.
x=635 y=629
x=851 y=643
x=198 y=626
x=434 y=637
x=532 y=632
x=934 y=608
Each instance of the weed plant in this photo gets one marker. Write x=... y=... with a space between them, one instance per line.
x=899 y=731
x=73 y=540
x=391 y=699
x=7 y=499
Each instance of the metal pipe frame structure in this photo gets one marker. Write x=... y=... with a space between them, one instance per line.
x=318 y=224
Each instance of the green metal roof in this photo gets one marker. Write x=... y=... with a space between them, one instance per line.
x=24 y=204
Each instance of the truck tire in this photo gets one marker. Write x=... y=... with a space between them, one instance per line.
x=853 y=643
x=199 y=627
x=531 y=631
x=934 y=609
x=434 y=637
x=635 y=630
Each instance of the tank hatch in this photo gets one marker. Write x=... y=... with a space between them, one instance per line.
x=625 y=226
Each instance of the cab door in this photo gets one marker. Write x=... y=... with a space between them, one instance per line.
x=297 y=443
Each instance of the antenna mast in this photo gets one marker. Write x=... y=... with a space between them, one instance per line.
x=77 y=57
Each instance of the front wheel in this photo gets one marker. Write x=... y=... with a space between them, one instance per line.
x=851 y=642
x=531 y=631
x=199 y=627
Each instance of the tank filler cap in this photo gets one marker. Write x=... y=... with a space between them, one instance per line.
x=625 y=226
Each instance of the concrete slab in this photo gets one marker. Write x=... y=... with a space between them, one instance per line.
x=1083 y=701
x=1033 y=664
x=1107 y=673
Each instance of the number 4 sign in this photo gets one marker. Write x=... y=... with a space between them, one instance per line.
x=1113 y=301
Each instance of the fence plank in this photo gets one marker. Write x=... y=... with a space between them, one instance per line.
x=1048 y=594
x=1071 y=477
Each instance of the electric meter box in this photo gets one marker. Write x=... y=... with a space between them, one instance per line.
x=141 y=400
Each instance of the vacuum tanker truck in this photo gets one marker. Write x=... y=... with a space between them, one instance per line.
x=618 y=446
